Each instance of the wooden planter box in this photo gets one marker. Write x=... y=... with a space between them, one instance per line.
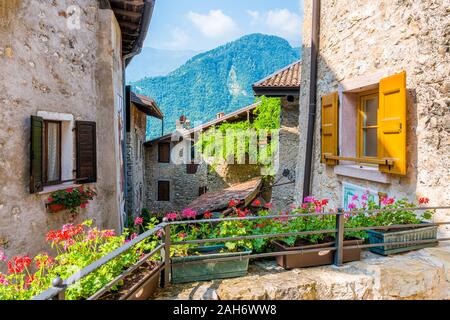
x=318 y=258
x=419 y=233
x=141 y=284
x=205 y=270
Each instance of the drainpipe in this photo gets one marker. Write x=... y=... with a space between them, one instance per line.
x=312 y=97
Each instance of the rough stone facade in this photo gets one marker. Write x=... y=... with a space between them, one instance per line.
x=388 y=36
x=135 y=161
x=47 y=66
x=283 y=196
x=184 y=187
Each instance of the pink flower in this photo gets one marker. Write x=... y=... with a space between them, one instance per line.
x=160 y=233
x=69 y=190
x=305 y=206
x=182 y=235
x=364 y=197
x=387 y=201
x=3 y=256
x=3 y=280
x=293 y=206
x=346 y=215
x=309 y=199
x=355 y=197
x=232 y=203
x=108 y=233
x=138 y=221
x=188 y=213
x=364 y=204
x=256 y=203
x=133 y=236
x=172 y=216
x=352 y=206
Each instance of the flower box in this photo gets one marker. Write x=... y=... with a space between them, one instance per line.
x=55 y=207
x=317 y=258
x=419 y=233
x=206 y=270
x=140 y=284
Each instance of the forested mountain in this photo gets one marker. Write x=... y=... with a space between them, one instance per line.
x=215 y=81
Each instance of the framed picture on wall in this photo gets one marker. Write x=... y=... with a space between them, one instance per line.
x=350 y=190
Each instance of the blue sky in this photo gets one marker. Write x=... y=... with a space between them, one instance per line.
x=205 y=24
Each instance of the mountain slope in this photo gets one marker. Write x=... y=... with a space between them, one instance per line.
x=153 y=62
x=215 y=81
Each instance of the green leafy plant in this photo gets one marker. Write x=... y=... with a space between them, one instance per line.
x=77 y=246
x=72 y=198
x=393 y=212
x=233 y=141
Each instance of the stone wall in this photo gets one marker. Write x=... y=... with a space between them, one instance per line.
x=184 y=187
x=283 y=196
x=135 y=162
x=389 y=36
x=47 y=66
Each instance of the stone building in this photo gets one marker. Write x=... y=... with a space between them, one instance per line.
x=138 y=108
x=62 y=83
x=383 y=100
x=284 y=84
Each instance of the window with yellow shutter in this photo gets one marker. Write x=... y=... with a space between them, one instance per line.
x=375 y=117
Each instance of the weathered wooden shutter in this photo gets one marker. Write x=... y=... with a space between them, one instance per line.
x=86 y=141
x=37 y=127
x=392 y=123
x=330 y=122
x=191 y=168
x=164 y=152
x=163 y=191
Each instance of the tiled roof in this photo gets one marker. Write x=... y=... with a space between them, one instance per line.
x=287 y=78
x=146 y=105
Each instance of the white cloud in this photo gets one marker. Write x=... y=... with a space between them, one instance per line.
x=215 y=24
x=281 y=22
x=179 y=38
x=255 y=15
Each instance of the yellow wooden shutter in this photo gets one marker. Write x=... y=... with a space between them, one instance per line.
x=330 y=120
x=392 y=123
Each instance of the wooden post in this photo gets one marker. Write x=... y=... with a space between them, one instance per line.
x=338 y=255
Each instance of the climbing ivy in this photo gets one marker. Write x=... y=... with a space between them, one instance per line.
x=234 y=141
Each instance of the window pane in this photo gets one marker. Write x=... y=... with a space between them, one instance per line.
x=53 y=159
x=370 y=111
x=370 y=142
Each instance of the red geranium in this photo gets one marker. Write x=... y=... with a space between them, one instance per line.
x=256 y=203
x=232 y=203
x=424 y=200
x=207 y=215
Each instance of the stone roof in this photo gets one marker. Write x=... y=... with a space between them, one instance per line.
x=283 y=82
x=218 y=200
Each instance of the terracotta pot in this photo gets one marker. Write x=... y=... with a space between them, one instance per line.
x=55 y=207
x=317 y=258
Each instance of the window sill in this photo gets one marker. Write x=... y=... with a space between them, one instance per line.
x=362 y=172
x=58 y=187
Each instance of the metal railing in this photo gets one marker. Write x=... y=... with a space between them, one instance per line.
x=57 y=292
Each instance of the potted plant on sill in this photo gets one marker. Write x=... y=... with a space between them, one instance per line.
x=70 y=199
x=208 y=270
x=311 y=241
x=394 y=212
